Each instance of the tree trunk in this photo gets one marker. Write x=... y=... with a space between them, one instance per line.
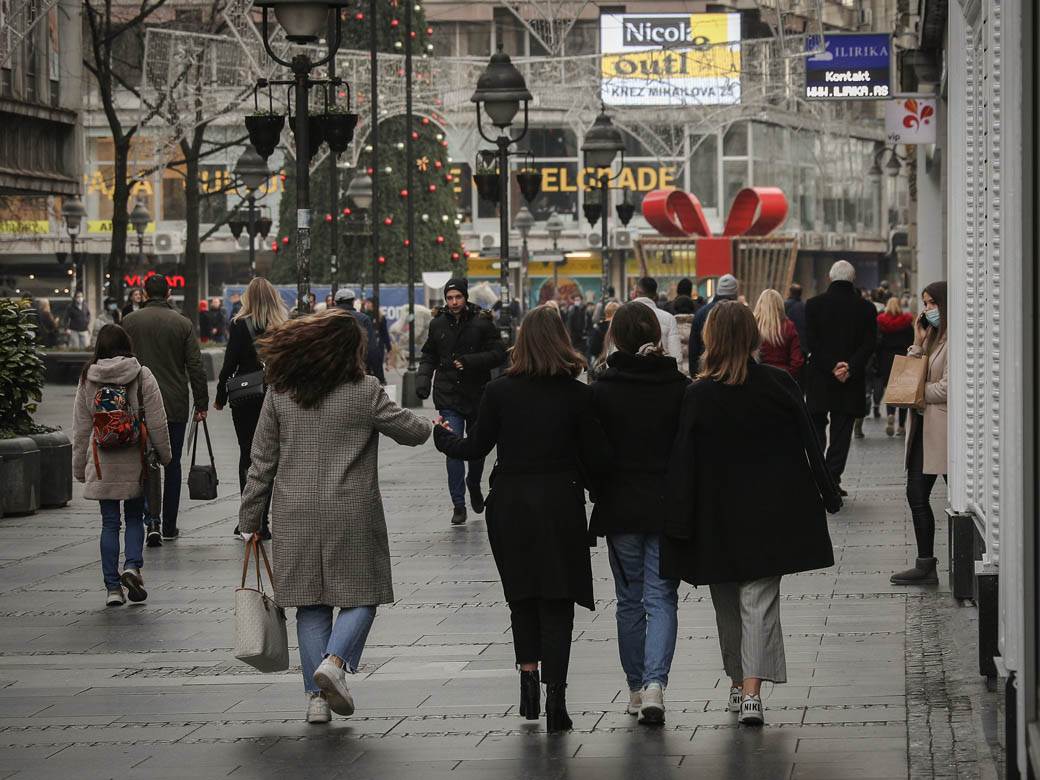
x=120 y=219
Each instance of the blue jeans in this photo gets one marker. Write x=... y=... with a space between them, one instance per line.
x=320 y=637
x=172 y=481
x=646 y=609
x=133 y=538
x=456 y=468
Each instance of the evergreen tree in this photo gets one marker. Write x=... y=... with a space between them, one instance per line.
x=437 y=243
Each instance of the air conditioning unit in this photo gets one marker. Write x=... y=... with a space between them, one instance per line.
x=593 y=238
x=488 y=240
x=167 y=244
x=623 y=239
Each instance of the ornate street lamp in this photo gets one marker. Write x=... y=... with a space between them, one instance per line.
x=523 y=221
x=72 y=213
x=603 y=142
x=893 y=167
x=140 y=218
x=251 y=170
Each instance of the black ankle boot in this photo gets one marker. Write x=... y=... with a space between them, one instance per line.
x=923 y=573
x=556 y=717
x=530 y=695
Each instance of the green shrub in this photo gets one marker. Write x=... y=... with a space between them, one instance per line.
x=21 y=368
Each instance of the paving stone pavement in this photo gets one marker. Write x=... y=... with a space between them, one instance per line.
x=88 y=692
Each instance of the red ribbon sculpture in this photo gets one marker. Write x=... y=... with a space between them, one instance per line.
x=756 y=211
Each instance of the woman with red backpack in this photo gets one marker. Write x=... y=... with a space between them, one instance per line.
x=119 y=413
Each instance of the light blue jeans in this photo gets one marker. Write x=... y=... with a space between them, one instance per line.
x=133 y=537
x=319 y=637
x=646 y=609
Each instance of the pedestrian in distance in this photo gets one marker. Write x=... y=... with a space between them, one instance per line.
x=164 y=342
x=541 y=420
x=205 y=325
x=645 y=292
x=794 y=308
x=218 y=320
x=109 y=316
x=598 y=343
x=780 y=345
x=77 y=322
x=683 y=303
x=742 y=420
x=926 y=445
x=46 y=325
x=726 y=289
x=118 y=412
x=345 y=298
x=461 y=350
x=841 y=328
x=261 y=314
x=578 y=324
x=637 y=401
x=381 y=345
x=895 y=337
x=135 y=300
x=314 y=459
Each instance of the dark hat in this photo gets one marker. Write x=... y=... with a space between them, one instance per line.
x=457 y=284
x=685 y=287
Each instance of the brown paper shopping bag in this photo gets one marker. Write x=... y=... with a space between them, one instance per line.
x=906 y=382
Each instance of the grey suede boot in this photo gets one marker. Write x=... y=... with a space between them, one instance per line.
x=923 y=573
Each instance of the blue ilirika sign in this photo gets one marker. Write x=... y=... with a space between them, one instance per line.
x=852 y=66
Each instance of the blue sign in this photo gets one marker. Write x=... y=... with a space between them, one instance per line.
x=851 y=66
x=393 y=298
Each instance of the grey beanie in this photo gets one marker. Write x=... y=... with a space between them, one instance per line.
x=726 y=287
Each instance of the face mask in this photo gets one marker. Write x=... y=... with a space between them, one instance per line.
x=932 y=315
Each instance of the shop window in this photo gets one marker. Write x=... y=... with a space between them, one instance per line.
x=734 y=179
x=704 y=174
x=735 y=141
x=551 y=142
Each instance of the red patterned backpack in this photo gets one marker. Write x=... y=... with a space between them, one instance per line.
x=115 y=425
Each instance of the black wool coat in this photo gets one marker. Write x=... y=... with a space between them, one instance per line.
x=473 y=340
x=840 y=327
x=747 y=484
x=547 y=439
x=637 y=401
x=239 y=358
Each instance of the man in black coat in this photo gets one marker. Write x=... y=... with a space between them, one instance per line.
x=578 y=324
x=841 y=335
x=684 y=302
x=373 y=359
x=794 y=308
x=461 y=350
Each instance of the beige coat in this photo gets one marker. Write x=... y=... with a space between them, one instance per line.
x=935 y=450
x=120 y=468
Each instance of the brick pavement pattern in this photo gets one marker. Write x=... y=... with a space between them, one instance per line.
x=153 y=691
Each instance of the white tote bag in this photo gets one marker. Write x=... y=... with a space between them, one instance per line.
x=260 y=638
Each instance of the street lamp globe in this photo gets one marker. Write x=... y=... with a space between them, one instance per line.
x=603 y=142
x=140 y=218
x=523 y=221
x=73 y=211
x=251 y=169
x=360 y=191
x=304 y=21
x=554 y=226
x=501 y=88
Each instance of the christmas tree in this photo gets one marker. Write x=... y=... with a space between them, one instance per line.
x=437 y=243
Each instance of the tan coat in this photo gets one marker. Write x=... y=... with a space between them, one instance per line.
x=935 y=448
x=120 y=468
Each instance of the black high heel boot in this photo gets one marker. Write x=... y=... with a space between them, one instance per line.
x=530 y=695
x=556 y=717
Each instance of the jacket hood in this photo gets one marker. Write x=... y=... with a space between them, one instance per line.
x=647 y=369
x=116 y=370
x=893 y=323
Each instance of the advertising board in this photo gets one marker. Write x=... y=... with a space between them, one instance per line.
x=851 y=66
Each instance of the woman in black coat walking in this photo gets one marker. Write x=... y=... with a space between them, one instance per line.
x=262 y=311
x=540 y=418
x=637 y=400
x=748 y=489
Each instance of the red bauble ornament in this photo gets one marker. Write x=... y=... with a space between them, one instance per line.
x=415 y=136
x=359 y=16
x=432 y=188
x=394 y=23
x=429 y=31
x=412 y=34
x=444 y=144
x=407 y=242
x=328 y=218
x=440 y=239
x=454 y=256
x=404 y=193
x=370 y=171
x=426 y=120
x=274 y=246
x=347 y=212
x=382 y=260
x=437 y=164
x=448 y=177
x=388 y=221
x=285 y=240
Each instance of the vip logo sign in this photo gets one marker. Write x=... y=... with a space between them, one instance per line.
x=910 y=120
x=851 y=66
x=670 y=59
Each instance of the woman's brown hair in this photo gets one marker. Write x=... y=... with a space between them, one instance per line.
x=730 y=339
x=635 y=325
x=112 y=341
x=543 y=347
x=937 y=292
x=311 y=356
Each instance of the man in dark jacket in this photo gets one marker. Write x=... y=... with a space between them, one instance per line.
x=164 y=341
x=77 y=322
x=794 y=308
x=726 y=289
x=462 y=348
x=841 y=335
x=578 y=324
x=373 y=358
x=683 y=302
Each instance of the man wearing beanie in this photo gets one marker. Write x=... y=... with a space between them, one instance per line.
x=460 y=352
x=726 y=289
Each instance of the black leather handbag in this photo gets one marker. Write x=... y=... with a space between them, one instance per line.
x=151 y=468
x=202 y=480
x=246 y=387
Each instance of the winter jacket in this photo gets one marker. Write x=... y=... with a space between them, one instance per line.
x=718 y=528
x=474 y=341
x=597 y=338
x=637 y=402
x=787 y=354
x=934 y=417
x=578 y=327
x=165 y=342
x=669 y=332
x=77 y=318
x=841 y=327
x=684 y=304
x=121 y=469
x=895 y=337
x=794 y=308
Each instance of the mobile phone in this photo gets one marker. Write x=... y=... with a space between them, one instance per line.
x=923 y=322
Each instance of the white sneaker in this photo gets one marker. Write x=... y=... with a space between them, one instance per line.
x=735 y=695
x=635 y=702
x=134 y=584
x=333 y=683
x=317 y=709
x=115 y=598
x=751 y=713
x=652 y=711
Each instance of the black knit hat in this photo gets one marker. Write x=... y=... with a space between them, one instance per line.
x=457 y=284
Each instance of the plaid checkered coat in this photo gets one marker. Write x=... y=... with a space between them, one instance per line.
x=329 y=533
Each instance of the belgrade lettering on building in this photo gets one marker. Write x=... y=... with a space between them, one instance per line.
x=639 y=179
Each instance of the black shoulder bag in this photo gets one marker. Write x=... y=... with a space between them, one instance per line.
x=242 y=388
x=202 y=480
x=151 y=468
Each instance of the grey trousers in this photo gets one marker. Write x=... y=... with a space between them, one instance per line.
x=748 y=617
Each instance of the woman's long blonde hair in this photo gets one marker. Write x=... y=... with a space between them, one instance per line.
x=263 y=303
x=730 y=339
x=770 y=316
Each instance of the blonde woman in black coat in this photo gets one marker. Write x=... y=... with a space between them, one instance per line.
x=540 y=418
x=749 y=490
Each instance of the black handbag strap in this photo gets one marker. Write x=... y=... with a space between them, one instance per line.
x=195 y=444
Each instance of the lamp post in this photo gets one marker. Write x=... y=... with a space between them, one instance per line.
x=251 y=170
x=500 y=90
x=523 y=221
x=359 y=192
x=140 y=218
x=603 y=142
x=554 y=227
x=72 y=212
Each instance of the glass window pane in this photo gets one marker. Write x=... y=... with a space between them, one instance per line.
x=734 y=143
x=551 y=142
x=734 y=179
x=474 y=39
x=704 y=169
x=582 y=39
x=173 y=204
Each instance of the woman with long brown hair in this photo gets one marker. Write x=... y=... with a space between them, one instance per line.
x=540 y=418
x=748 y=492
x=319 y=435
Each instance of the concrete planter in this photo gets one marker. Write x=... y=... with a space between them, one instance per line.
x=55 y=488
x=20 y=475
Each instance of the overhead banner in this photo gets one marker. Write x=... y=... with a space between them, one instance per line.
x=670 y=59
x=851 y=66
x=910 y=120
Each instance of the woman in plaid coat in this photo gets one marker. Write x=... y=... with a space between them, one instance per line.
x=316 y=447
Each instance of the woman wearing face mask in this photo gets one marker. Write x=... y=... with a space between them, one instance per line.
x=926 y=442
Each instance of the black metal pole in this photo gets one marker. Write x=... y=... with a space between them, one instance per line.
x=140 y=249
x=333 y=170
x=505 y=320
x=301 y=66
x=409 y=152
x=75 y=265
x=524 y=278
x=373 y=53
x=604 y=197
x=252 y=234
